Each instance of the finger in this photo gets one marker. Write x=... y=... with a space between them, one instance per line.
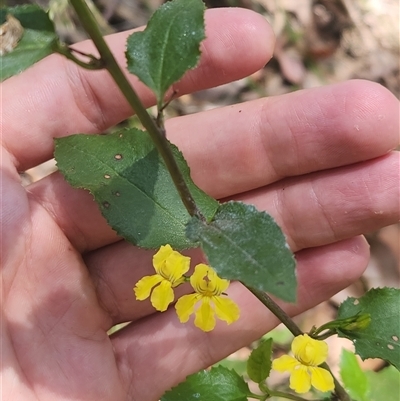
x=55 y=97
x=242 y=159
x=250 y=145
x=325 y=207
x=168 y=350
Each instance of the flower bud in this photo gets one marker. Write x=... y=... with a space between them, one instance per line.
x=356 y=323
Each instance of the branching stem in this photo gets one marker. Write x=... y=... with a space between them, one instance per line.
x=93 y=64
x=157 y=135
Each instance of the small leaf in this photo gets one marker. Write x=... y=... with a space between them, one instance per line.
x=244 y=244
x=381 y=339
x=169 y=46
x=38 y=39
x=384 y=385
x=218 y=384
x=132 y=186
x=259 y=362
x=353 y=377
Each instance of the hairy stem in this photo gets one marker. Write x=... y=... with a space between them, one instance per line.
x=157 y=135
x=276 y=310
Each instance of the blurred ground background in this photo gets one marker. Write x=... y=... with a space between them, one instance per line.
x=318 y=42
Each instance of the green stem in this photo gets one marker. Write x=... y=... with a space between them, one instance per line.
x=93 y=64
x=157 y=135
x=257 y=397
x=324 y=336
x=286 y=395
x=271 y=393
x=340 y=392
x=276 y=310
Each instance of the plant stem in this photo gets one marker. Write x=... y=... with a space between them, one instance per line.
x=339 y=390
x=276 y=310
x=271 y=393
x=325 y=335
x=258 y=397
x=286 y=395
x=93 y=64
x=157 y=135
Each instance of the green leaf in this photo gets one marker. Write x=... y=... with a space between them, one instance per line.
x=384 y=385
x=169 y=46
x=259 y=362
x=381 y=339
x=132 y=186
x=38 y=41
x=353 y=377
x=217 y=384
x=244 y=244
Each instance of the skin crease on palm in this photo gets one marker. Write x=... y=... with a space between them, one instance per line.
x=319 y=160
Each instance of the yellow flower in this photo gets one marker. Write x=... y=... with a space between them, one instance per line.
x=303 y=368
x=208 y=289
x=170 y=266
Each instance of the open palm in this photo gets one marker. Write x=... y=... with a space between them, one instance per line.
x=319 y=161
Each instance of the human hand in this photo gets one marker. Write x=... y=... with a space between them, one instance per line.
x=318 y=160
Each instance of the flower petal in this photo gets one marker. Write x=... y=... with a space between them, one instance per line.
x=162 y=296
x=220 y=285
x=321 y=379
x=308 y=351
x=226 y=309
x=197 y=279
x=300 y=379
x=205 y=319
x=161 y=256
x=144 y=286
x=205 y=281
x=176 y=266
x=185 y=306
x=285 y=363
